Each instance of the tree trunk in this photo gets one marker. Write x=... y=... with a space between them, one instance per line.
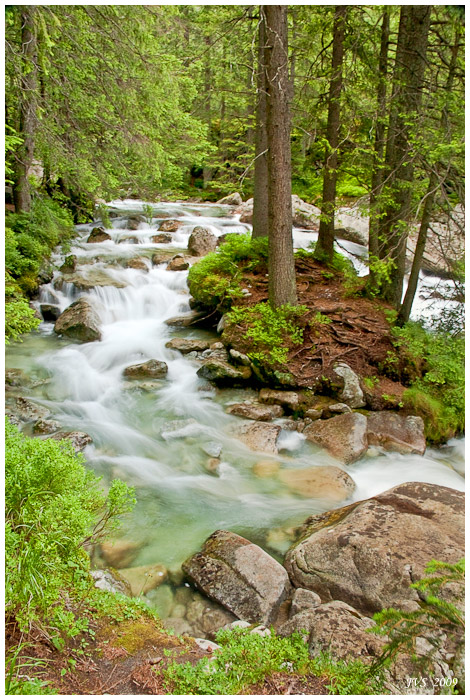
x=260 y=193
x=282 y=287
x=408 y=83
x=326 y=233
x=28 y=98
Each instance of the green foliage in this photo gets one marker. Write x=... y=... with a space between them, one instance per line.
x=53 y=506
x=434 y=365
x=19 y=316
x=215 y=280
x=440 y=612
x=245 y=659
x=102 y=212
x=273 y=331
x=17 y=680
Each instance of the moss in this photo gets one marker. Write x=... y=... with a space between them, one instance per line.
x=134 y=635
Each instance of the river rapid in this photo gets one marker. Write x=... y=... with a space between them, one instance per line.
x=159 y=435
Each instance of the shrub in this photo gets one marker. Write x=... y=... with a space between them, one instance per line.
x=273 y=331
x=53 y=506
x=19 y=316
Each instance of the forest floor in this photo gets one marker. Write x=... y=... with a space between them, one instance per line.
x=351 y=328
x=128 y=658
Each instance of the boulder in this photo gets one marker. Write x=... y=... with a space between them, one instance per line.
x=255 y=411
x=238 y=358
x=201 y=242
x=245 y=211
x=27 y=410
x=120 y=553
x=110 y=581
x=44 y=427
x=92 y=278
x=98 y=235
x=396 y=433
x=79 y=321
x=128 y=239
x=187 y=345
x=70 y=263
x=151 y=368
x=289 y=399
x=354 y=224
x=352 y=392
x=177 y=264
x=233 y=200
x=302 y=600
x=50 y=312
x=304 y=215
x=240 y=576
x=176 y=429
x=137 y=264
x=367 y=554
x=258 y=436
x=78 y=439
x=186 y=320
x=161 y=238
x=169 y=225
x=159 y=258
x=134 y=221
x=143 y=579
x=344 y=436
x=222 y=373
x=350 y=234
x=329 y=483
x=338 y=408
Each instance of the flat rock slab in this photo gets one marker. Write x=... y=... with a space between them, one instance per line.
x=344 y=436
x=151 y=368
x=186 y=320
x=79 y=321
x=255 y=411
x=288 y=399
x=368 y=553
x=187 y=345
x=259 y=436
x=331 y=483
x=93 y=278
x=240 y=576
x=396 y=433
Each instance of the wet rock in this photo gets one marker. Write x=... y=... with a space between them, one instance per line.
x=368 y=553
x=221 y=324
x=314 y=413
x=110 y=581
x=78 y=439
x=339 y=408
x=208 y=615
x=246 y=211
x=181 y=428
x=352 y=393
x=233 y=200
x=187 y=320
x=16 y=377
x=177 y=264
x=330 y=483
x=255 y=411
x=143 y=579
x=213 y=465
x=260 y=437
x=137 y=264
x=344 y=436
x=134 y=221
x=151 y=368
x=302 y=600
x=93 y=278
x=240 y=576
x=27 y=410
x=187 y=345
x=349 y=234
x=161 y=599
x=119 y=553
x=169 y=225
x=79 y=321
x=160 y=258
x=289 y=399
x=354 y=224
x=49 y=312
x=70 y=263
x=44 y=427
x=177 y=626
x=212 y=449
x=128 y=239
x=396 y=433
x=238 y=358
x=98 y=235
x=201 y=242
x=161 y=238
x=222 y=373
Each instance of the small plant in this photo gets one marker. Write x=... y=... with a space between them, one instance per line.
x=321 y=318
x=103 y=214
x=148 y=213
x=370 y=382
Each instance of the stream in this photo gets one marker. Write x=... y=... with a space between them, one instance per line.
x=159 y=435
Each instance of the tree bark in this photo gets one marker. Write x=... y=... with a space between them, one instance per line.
x=281 y=268
x=260 y=193
x=408 y=83
x=28 y=100
x=326 y=234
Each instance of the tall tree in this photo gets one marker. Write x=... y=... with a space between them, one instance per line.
x=400 y=155
x=281 y=268
x=260 y=189
x=326 y=233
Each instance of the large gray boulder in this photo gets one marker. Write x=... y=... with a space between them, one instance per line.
x=368 y=553
x=151 y=368
x=304 y=215
x=344 y=436
x=233 y=200
x=201 y=241
x=351 y=393
x=258 y=436
x=330 y=483
x=396 y=433
x=240 y=576
x=79 y=321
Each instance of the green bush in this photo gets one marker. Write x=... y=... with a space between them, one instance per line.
x=245 y=659
x=19 y=316
x=433 y=364
x=215 y=280
x=273 y=331
x=53 y=506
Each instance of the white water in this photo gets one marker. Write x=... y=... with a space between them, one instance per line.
x=179 y=502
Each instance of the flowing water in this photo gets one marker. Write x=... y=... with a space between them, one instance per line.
x=160 y=435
